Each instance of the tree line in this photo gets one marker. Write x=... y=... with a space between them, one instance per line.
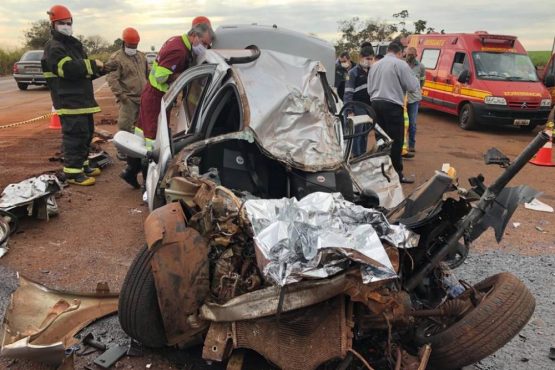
x=39 y=34
x=355 y=31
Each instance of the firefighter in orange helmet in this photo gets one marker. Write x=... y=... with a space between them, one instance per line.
x=128 y=76
x=69 y=74
x=176 y=55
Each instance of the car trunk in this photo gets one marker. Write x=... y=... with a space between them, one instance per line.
x=30 y=67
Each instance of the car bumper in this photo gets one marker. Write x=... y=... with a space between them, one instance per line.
x=33 y=79
x=499 y=115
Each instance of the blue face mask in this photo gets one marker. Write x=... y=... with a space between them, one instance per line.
x=199 y=50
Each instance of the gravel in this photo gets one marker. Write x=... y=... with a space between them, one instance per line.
x=529 y=349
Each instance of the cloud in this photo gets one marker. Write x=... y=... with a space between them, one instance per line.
x=159 y=20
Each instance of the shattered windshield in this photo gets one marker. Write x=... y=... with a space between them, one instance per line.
x=504 y=66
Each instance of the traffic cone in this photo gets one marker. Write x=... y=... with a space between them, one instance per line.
x=55 y=120
x=544 y=155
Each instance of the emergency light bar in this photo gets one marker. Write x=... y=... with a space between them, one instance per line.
x=497 y=39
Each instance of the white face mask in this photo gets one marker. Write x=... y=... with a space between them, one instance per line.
x=199 y=49
x=64 y=29
x=130 y=51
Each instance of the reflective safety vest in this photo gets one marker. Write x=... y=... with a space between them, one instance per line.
x=159 y=74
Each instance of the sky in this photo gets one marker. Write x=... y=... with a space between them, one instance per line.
x=533 y=22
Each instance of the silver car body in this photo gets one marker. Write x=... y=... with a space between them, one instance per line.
x=282 y=106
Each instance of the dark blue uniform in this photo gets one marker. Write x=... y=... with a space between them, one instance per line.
x=356 y=90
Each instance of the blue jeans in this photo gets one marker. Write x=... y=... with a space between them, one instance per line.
x=412 y=110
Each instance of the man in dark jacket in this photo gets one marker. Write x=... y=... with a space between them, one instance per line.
x=356 y=90
x=342 y=68
x=69 y=74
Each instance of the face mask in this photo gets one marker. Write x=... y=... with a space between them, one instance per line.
x=345 y=65
x=129 y=51
x=64 y=29
x=199 y=50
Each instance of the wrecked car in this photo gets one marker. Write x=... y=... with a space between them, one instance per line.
x=268 y=235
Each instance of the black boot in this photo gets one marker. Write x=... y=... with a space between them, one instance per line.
x=129 y=174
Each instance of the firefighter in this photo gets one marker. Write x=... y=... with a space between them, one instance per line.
x=129 y=71
x=128 y=78
x=69 y=74
x=175 y=56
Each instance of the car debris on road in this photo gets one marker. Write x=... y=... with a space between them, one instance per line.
x=41 y=323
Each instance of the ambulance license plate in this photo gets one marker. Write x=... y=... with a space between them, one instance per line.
x=521 y=122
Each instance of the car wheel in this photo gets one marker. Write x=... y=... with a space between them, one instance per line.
x=22 y=86
x=138 y=311
x=502 y=307
x=467 y=121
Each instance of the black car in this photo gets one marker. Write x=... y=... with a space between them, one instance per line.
x=28 y=70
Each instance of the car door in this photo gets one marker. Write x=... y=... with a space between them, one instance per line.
x=194 y=86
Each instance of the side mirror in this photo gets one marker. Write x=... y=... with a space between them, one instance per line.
x=130 y=144
x=464 y=77
x=549 y=80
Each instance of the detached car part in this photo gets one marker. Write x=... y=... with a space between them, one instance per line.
x=40 y=323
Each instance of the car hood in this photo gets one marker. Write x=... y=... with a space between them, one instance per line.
x=288 y=112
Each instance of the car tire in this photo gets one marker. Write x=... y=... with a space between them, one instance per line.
x=22 y=86
x=467 y=119
x=138 y=312
x=483 y=330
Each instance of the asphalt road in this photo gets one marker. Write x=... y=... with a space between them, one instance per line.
x=17 y=105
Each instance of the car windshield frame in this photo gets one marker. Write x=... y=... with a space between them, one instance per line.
x=26 y=57
x=503 y=66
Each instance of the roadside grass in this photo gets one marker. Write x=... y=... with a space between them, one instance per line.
x=8 y=58
x=539 y=58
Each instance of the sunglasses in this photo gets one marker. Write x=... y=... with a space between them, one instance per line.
x=65 y=23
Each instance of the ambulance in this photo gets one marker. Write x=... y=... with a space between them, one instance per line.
x=481 y=78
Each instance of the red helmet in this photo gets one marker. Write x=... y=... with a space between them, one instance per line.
x=130 y=36
x=201 y=19
x=59 y=12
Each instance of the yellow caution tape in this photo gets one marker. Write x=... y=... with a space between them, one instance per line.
x=47 y=115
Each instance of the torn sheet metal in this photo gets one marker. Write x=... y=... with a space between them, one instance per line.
x=499 y=214
x=537 y=205
x=40 y=323
x=5 y=231
x=288 y=110
x=377 y=174
x=319 y=236
x=36 y=193
x=494 y=156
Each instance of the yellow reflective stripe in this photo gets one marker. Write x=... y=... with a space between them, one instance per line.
x=186 y=41
x=86 y=163
x=73 y=170
x=139 y=131
x=89 y=67
x=49 y=75
x=61 y=63
x=63 y=111
x=149 y=143
x=158 y=77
